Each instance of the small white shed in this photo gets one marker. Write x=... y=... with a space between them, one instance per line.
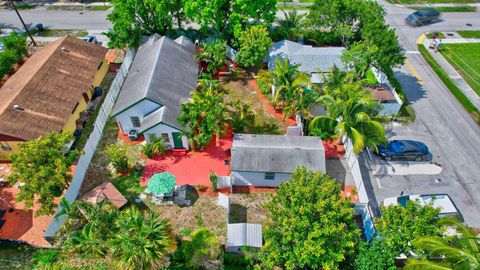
x=241 y=235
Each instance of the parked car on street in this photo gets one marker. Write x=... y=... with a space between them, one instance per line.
x=422 y=16
x=442 y=201
x=91 y=39
x=403 y=150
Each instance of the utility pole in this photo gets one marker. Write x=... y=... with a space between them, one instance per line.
x=20 y=17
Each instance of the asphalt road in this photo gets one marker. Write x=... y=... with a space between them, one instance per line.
x=89 y=20
x=441 y=122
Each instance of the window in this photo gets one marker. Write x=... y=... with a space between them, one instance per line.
x=135 y=121
x=152 y=137
x=269 y=176
x=165 y=137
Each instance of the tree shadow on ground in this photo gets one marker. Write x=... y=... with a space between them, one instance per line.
x=412 y=89
x=238 y=214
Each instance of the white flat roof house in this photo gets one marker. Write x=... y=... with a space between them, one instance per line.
x=269 y=160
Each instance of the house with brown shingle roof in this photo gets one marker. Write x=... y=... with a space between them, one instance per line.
x=49 y=91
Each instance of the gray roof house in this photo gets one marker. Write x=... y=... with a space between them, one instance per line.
x=161 y=78
x=269 y=160
x=313 y=60
x=240 y=235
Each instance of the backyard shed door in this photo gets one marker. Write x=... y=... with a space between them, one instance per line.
x=177 y=140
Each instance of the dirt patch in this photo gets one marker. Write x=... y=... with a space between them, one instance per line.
x=203 y=213
x=239 y=88
x=249 y=207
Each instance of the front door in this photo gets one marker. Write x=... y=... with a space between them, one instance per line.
x=177 y=140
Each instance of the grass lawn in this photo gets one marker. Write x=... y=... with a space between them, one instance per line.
x=62 y=32
x=466 y=103
x=16 y=257
x=79 y=8
x=239 y=88
x=452 y=9
x=290 y=7
x=469 y=33
x=429 y=1
x=466 y=60
x=204 y=212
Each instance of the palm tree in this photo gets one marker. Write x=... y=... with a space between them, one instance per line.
x=350 y=108
x=459 y=252
x=289 y=84
x=292 y=24
x=141 y=241
x=86 y=241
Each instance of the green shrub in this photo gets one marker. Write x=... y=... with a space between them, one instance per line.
x=45 y=257
x=321 y=38
x=156 y=146
x=213 y=181
x=238 y=260
x=117 y=154
x=7 y=60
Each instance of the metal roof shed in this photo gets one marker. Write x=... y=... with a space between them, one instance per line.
x=243 y=234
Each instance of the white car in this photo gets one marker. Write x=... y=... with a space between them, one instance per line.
x=91 y=39
x=442 y=201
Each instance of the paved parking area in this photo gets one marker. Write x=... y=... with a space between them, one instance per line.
x=390 y=179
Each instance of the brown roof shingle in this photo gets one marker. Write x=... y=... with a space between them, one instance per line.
x=47 y=87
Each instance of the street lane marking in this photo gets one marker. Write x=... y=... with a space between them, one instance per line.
x=398 y=5
x=413 y=52
x=421 y=38
x=414 y=72
x=378 y=182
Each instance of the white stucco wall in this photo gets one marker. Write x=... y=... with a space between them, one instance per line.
x=139 y=110
x=258 y=179
x=159 y=129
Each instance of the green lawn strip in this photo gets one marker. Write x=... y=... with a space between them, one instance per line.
x=469 y=33
x=466 y=103
x=451 y=9
x=440 y=34
x=465 y=58
x=280 y=1
x=307 y=1
x=79 y=8
x=62 y=32
x=25 y=7
x=97 y=8
x=406 y=113
x=430 y=1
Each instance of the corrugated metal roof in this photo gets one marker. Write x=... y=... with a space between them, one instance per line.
x=244 y=234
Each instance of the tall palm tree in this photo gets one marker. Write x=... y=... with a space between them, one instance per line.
x=292 y=24
x=141 y=241
x=289 y=84
x=350 y=108
x=459 y=252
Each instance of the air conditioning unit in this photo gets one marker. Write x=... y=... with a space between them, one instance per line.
x=133 y=135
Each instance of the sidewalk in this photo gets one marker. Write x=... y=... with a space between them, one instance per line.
x=452 y=73
x=46 y=4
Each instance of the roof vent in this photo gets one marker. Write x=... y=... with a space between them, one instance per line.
x=65 y=50
x=18 y=108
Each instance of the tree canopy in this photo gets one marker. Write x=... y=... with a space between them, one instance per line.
x=133 y=18
x=310 y=226
x=204 y=114
x=44 y=165
x=254 y=45
x=214 y=55
x=15 y=49
x=229 y=16
x=399 y=226
x=375 y=256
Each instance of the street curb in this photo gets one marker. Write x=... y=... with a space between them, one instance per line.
x=421 y=38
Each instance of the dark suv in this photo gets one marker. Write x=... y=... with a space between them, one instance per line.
x=422 y=16
x=403 y=150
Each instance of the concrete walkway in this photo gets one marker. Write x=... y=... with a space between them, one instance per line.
x=452 y=73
